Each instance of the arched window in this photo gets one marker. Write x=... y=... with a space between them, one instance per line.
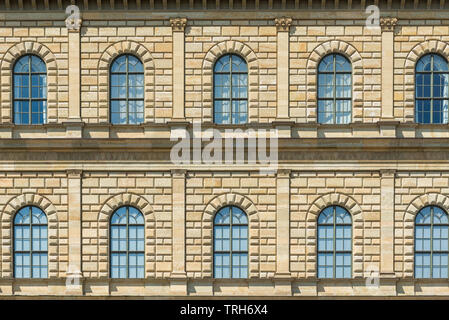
x=431 y=243
x=127 y=243
x=432 y=94
x=30 y=90
x=231 y=90
x=30 y=243
x=334 y=90
x=231 y=243
x=334 y=243
x=127 y=90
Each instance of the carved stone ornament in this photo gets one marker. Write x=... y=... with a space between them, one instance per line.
x=388 y=23
x=283 y=23
x=178 y=24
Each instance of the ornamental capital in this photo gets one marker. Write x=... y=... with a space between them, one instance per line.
x=178 y=173
x=178 y=24
x=387 y=173
x=284 y=173
x=283 y=23
x=74 y=173
x=388 y=23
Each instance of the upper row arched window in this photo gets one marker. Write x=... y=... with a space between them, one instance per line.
x=30 y=90
x=230 y=90
x=431 y=89
x=127 y=90
x=334 y=90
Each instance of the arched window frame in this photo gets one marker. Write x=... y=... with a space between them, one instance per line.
x=334 y=251
x=444 y=242
x=42 y=251
x=231 y=252
x=138 y=116
x=231 y=99
x=127 y=251
x=18 y=117
x=321 y=115
x=419 y=101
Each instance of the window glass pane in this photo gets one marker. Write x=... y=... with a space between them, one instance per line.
x=325 y=111
x=424 y=64
x=342 y=64
x=439 y=63
x=326 y=64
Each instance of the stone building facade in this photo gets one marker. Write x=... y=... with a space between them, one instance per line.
x=383 y=167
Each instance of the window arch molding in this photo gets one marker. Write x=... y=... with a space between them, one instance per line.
x=217 y=51
x=405 y=242
x=354 y=209
x=416 y=53
x=104 y=64
x=7 y=219
x=214 y=205
x=354 y=57
x=9 y=59
x=104 y=216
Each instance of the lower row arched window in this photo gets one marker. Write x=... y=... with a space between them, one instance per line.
x=30 y=243
x=230 y=243
x=127 y=243
x=431 y=243
x=334 y=243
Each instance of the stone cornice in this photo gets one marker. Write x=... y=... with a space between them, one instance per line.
x=207 y=5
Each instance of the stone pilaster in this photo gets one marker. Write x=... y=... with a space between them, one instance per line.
x=74 y=27
x=178 y=25
x=387 y=26
x=387 y=222
x=74 y=273
x=283 y=27
x=282 y=276
x=178 y=283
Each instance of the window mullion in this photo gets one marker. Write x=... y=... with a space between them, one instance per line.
x=29 y=91
x=127 y=94
x=431 y=242
x=230 y=89
x=431 y=91
x=127 y=242
x=335 y=89
x=230 y=241
x=334 y=244
x=31 y=242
